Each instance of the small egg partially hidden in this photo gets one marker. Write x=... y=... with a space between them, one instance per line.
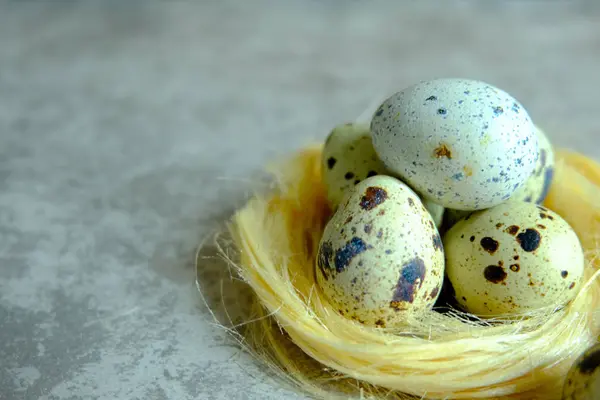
x=348 y=158
x=583 y=379
x=536 y=188
x=451 y=217
x=436 y=211
x=380 y=255
x=513 y=258
x=464 y=144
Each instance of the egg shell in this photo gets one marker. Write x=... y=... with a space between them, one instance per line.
x=380 y=256
x=536 y=188
x=583 y=379
x=464 y=144
x=513 y=258
x=435 y=210
x=451 y=217
x=348 y=157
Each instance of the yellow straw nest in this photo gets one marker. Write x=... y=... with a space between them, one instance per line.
x=436 y=355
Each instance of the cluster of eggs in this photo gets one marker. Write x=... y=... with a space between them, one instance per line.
x=442 y=192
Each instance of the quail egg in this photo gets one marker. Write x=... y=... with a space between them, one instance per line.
x=451 y=217
x=513 y=258
x=348 y=157
x=380 y=256
x=464 y=144
x=583 y=379
x=536 y=188
x=436 y=211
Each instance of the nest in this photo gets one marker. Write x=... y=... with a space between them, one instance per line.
x=449 y=355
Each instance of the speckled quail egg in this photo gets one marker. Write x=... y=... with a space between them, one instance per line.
x=583 y=379
x=380 y=256
x=348 y=158
x=513 y=258
x=464 y=144
x=535 y=189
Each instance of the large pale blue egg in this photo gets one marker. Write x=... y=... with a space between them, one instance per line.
x=463 y=144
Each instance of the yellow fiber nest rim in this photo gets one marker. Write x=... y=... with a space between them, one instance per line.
x=446 y=356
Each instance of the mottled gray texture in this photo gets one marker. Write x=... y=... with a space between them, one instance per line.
x=128 y=130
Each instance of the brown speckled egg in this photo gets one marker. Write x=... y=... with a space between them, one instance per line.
x=536 y=188
x=380 y=255
x=583 y=379
x=348 y=158
x=513 y=258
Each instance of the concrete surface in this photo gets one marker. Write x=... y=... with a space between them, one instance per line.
x=130 y=129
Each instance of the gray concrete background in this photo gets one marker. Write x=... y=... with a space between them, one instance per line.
x=129 y=129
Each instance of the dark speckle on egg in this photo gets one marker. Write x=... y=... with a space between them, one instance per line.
x=371 y=173
x=351 y=249
x=494 y=273
x=373 y=197
x=437 y=242
x=512 y=230
x=498 y=110
x=324 y=257
x=379 y=112
x=411 y=276
x=544 y=216
x=529 y=240
x=434 y=293
x=489 y=244
x=564 y=274
x=431 y=98
x=590 y=362
x=442 y=111
x=349 y=175
x=331 y=162
x=443 y=151
x=458 y=176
